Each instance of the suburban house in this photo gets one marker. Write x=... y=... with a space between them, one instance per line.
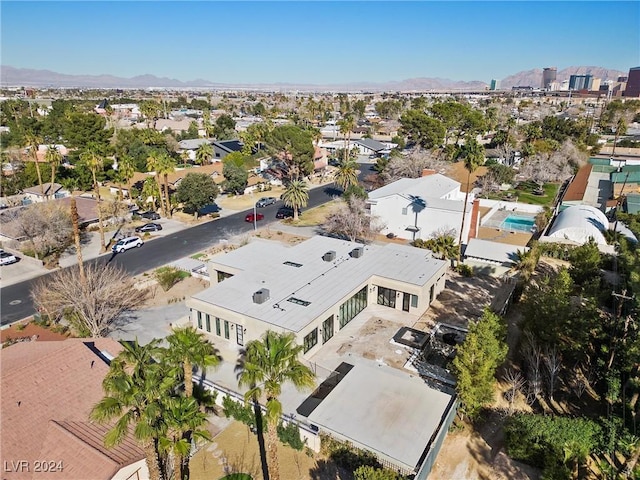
x=223 y=148
x=48 y=391
x=312 y=289
x=419 y=208
x=48 y=191
x=328 y=292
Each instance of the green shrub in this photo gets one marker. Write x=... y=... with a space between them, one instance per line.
x=167 y=277
x=290 y=435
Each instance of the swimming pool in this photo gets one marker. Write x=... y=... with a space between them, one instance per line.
x=520 y=224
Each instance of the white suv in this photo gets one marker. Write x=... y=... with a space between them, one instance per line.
x=127 y=243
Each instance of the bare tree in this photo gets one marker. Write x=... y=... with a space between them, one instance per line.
x=352 y=220
x=552 y=362
x=92 y=306
x=515 y=382
x=412 y=165
x=47 y=227
x=532 y=354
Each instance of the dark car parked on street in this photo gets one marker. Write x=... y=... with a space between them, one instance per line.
x=149 y=227
x=284 y=212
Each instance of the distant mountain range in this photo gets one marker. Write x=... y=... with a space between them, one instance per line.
x=24 y=77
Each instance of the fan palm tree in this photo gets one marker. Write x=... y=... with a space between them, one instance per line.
x=54 y=157
x=133 y=388
x=347 y=174
x=33 y=142
x=473 y=154
x=126 y=171
x=189 y=348
x=268 y=364
x=184 y=422
x=154 y=161
x=166 y=166
x=204 y=153
x=296 y=196
x=95 y=163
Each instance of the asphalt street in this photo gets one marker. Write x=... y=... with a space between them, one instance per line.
x=15 y=301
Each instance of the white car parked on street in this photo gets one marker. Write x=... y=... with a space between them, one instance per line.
x=127 y=243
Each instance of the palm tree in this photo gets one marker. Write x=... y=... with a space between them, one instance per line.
x=166 y=166
x=33 y=142
x=54 y=157
x=347 y=124
x=133 y=388
x=189 y=348
x=473 y=154
x=268 y=364
x=126 y=171
x=347 y=174
x=183 y=421
x=95 y=163
x=296 y=196
x=204 y=153
x=153 y=165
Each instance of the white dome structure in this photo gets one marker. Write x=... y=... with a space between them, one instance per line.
x=579 y=223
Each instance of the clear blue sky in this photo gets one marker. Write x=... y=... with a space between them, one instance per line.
x=318 y=42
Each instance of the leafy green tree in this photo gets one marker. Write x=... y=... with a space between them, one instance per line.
x=204 y=153
x=225 y=127
x=268 y=364
x=187 y=349
x=196 y=190
x=296 y=196
x=476 y=361
x=294 y=146
x=472 y=154
x=347 y=174
x=421 y=129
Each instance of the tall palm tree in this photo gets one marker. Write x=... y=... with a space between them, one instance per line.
x=126 y=171
x=473 y=154
x=204 y=153
x=296 y=196
x=347 y=124
x=54 y=157
x=346 y=174
x=153 y=165
x=33 y=142
x=95 y=163
x=268 y=364
x=184 y=423
x=133 y=388
x=166 y=166
x=189 y=348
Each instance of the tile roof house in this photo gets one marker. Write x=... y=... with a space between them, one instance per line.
x=48 y=391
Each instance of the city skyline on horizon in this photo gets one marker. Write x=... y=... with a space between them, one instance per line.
x=316 y=42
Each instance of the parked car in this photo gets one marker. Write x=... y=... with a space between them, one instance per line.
x=284 y=212
x=7 y=258
x=251 y=217
x=265 y=201
x=149 y=227
x=126 y=244
x=208 y=209
x=150 y=215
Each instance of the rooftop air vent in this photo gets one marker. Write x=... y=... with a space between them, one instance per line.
x=261 y=296
x=330 y=256
x=357 y=252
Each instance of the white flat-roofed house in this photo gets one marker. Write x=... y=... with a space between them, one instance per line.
x=419 y=208
x=312 y=289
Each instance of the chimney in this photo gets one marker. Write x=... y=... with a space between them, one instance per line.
x=261 y=296
x=428 y=171
x=330 y=256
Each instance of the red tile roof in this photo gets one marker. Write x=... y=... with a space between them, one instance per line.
x=48 y=390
